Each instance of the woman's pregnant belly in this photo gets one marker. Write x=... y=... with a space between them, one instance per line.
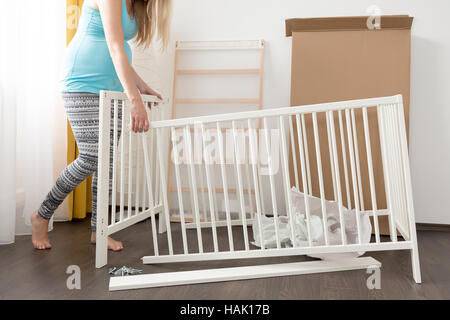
x=88 y=66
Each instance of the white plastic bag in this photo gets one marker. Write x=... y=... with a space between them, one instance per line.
x=268 y=228
x=334 y=229
x=316 y=223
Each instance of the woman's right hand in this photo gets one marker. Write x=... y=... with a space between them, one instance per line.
x=139 y=119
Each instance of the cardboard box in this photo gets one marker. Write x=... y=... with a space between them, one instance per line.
x=335 y=59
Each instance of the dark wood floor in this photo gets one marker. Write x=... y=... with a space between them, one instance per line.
x=26 y=273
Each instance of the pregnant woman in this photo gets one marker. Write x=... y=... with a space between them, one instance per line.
x=99 y=58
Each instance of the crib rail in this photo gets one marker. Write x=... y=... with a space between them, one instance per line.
x=255 y=158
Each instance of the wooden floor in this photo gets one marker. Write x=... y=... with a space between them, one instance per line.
x=26 y=273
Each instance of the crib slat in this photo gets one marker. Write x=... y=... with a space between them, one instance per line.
x=198 y=156
x=304 y=178
x=254 y=160
x=353 y=171
x=114 y=175
x=294 y=153
x=330 y=150
x=247 y=172
x=225 y=186
x=319 y=172
x=390 y=148
x=130 y=164
x=144 y=184
x=258 y=166
x=240 y=185
x=272 y=183
x=122 y=163
x=330 y=116
x=176 y=164
x=160 y=148
x=241 y=211
x=358 y=169
x=148 y=173
x=154 y=164
x=394 y=152
x=344 y=159
x=202 y=191
x=305 y=144
x=189 y=188
x=213 y=183
x=210 y=189
x=203 y=186
x=387 y=179
x=238 y=199
x=138 y=172
x=287 y=182
x=371 y=175
x=389 y=133
x=153 y=168
x=193 y=181
x=156 y=115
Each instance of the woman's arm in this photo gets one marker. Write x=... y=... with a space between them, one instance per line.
x=111 y=14
x=144 y=88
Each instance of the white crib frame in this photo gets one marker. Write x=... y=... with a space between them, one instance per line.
x=394 y=149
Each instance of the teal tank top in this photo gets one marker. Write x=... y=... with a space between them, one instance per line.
x=88 y=66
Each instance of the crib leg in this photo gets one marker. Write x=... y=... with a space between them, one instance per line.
x=101 y=243
x=415 y=265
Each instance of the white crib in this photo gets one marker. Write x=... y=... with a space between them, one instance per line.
x=240 y=154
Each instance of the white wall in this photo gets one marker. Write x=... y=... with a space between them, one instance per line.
x=264 y=19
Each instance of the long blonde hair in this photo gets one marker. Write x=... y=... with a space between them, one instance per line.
x=152 y=16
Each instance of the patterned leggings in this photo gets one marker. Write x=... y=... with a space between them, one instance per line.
x=82 y=110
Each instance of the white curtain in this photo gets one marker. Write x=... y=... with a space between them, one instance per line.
x=32 y=37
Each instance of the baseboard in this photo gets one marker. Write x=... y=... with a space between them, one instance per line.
x=433 y=227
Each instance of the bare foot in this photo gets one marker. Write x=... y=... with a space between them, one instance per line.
x=112 y=244
x=39 y=228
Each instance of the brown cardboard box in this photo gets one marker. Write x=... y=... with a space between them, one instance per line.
x=335 y=59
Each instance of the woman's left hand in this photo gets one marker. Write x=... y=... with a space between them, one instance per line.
x=145 y=89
